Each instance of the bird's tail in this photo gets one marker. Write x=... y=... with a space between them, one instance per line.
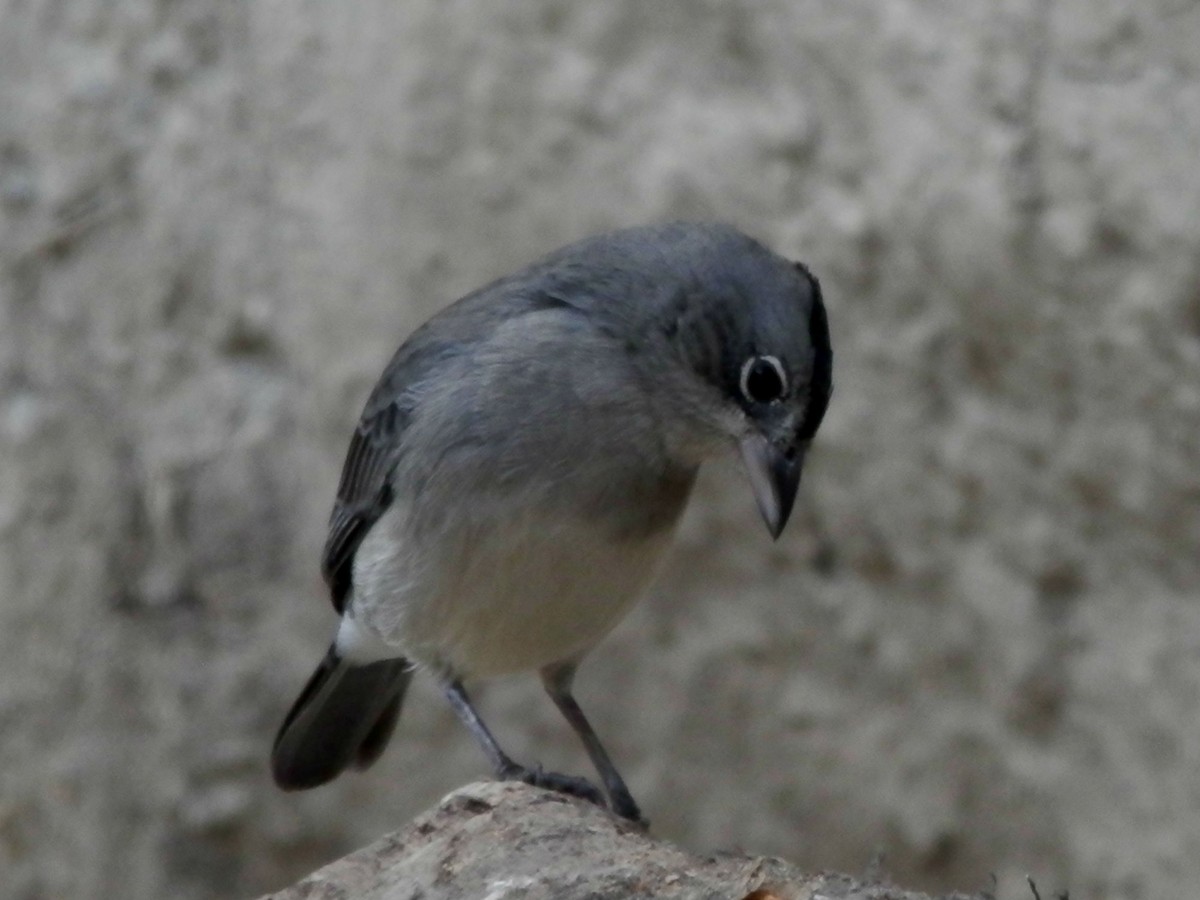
x=343 y=717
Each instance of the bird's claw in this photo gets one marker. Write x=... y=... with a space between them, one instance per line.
x=574 y=785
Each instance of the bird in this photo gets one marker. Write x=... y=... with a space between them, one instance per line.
x=520 y=467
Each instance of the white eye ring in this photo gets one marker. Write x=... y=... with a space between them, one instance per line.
x=753 y=370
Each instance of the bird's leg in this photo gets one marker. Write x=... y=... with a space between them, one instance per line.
x=503 y=765
x=557 y=679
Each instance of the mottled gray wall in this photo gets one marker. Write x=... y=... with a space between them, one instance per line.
x=977 y=648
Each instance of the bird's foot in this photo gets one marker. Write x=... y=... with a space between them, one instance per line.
x=622 y=803
x=574 y=785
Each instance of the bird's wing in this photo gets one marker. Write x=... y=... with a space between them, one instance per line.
x=364 y=492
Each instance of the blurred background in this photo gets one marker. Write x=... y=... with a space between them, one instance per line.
x=975 y=651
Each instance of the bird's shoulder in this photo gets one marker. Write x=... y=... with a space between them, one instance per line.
x=443 y=348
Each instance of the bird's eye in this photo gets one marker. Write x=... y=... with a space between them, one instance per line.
x=763 y=379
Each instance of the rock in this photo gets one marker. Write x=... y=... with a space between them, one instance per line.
x=507 y=840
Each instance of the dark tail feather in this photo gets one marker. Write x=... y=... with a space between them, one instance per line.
x=342 y=718
x=377 y=738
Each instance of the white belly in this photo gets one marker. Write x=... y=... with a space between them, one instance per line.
x=506 y=599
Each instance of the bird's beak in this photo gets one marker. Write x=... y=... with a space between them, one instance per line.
x=774 y=477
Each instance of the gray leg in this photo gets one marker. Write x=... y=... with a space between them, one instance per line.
x=557 y=680
x=503 y=765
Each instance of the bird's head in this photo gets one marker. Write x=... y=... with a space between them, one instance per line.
x=751 y=332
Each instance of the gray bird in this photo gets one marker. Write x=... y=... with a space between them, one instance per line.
x=520 y=467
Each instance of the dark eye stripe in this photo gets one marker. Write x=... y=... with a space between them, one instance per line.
x=821 y=386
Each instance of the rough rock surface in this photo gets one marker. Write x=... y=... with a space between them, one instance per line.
x=500 y=841
x=976 y=650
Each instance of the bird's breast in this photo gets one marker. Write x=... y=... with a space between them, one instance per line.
x=530 y=591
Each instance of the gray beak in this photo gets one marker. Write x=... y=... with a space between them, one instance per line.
x=774 y=477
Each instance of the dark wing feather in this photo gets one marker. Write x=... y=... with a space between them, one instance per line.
x=363 y=493
x=365 y=490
